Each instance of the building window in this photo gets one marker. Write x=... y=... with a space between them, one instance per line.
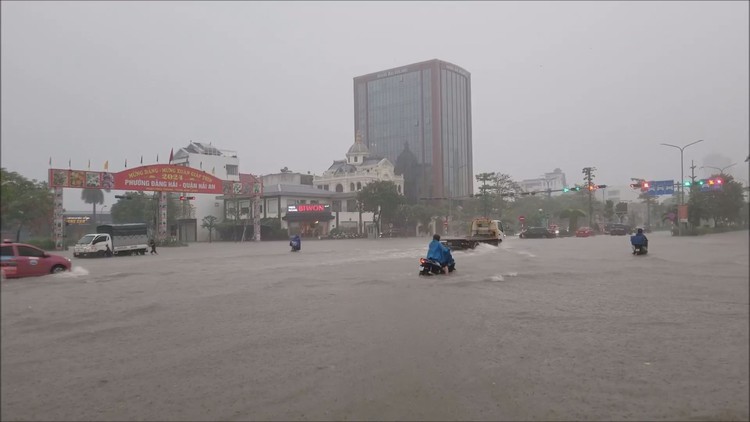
x=359 y=186
x=355 y=158
x=351 y=187
x=232 y=170
x=320 y=187
x=325 y=187
x=399 y=188
x=313 y=201
x=339 y=188
x=351 y=205
x=336 y=206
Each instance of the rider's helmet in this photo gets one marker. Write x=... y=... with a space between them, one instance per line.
x=640 y=231
x=436 y=237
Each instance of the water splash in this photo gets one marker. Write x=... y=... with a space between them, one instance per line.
x=74 y=272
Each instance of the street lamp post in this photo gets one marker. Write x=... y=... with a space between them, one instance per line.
x=682 y=175
x=721 y=169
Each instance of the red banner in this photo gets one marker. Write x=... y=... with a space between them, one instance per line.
x=169 y=178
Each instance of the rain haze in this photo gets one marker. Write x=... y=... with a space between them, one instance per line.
x=553 y=84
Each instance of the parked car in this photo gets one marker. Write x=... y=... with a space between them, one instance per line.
x=536 y=233
x=22 y=260
x=584 y=232
x=619 y=230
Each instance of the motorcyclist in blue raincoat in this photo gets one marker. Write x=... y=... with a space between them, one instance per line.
x=295 y=243
x=440 y=253
x=639 y=239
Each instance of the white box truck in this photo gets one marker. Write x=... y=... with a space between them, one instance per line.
x=120 y=239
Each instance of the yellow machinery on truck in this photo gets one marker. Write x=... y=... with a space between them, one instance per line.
x=483 y=230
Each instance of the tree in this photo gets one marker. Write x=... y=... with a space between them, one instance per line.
x=143 y=208
x=572 y=214
x=209 y=222
x=25 y=203
x=381 y=198
x=505 y=189
x=486 y=189
x=609 y=210
x=92 y=196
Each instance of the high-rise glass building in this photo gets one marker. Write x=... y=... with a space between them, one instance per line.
x=419 y=117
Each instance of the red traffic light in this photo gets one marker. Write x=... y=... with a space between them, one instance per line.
x=183 y=198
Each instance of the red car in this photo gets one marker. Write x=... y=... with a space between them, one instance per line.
x=21 y=260
x=584 y=232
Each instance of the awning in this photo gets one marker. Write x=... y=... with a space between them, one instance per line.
x=308 y=216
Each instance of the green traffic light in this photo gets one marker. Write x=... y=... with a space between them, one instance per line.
x=686 y=183
x=566 y=189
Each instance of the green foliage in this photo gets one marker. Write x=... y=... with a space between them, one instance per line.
x=381 y=198
x=92 y=196
x=143 y=208
x=209 y=222
x=572 y=214
x=25 y=203
x=47 y=244
x=723 y=205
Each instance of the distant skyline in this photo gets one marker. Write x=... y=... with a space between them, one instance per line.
x=554 y=84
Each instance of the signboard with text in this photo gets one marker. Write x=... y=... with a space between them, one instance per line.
x=158 y=177
x=661 y=187
x=309 y=208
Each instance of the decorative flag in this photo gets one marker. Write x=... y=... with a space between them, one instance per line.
x=201 y=165
x=126 y=163
x=213 y=170
x=106 y=165
x=68 y=162
x=171 y=155
x=50 y=161
x=141 y=159
x=89 y=164
x=157 y=158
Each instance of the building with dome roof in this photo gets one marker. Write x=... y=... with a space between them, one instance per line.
x=344 y=178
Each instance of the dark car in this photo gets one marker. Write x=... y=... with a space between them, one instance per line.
x=619 y=230
x=536 y=233
x=21 y=260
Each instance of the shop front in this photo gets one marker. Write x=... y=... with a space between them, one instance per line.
x=309 y=220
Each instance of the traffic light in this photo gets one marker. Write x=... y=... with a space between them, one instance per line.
x=566 y=189
x=186 y=198
x=645 y=186
x=601 y=186
x=686 y=183
x=636 y=185
x=591 y=187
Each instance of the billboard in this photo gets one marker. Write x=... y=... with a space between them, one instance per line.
x=157 y=177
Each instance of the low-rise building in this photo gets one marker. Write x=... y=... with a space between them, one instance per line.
x=345 y=178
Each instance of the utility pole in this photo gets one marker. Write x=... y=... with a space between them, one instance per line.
x=588 y=171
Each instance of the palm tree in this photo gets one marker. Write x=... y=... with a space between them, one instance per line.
x=93 y=196
x=572 y=214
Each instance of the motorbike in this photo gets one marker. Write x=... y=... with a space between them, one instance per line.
x=432 y=267
x=640 y=249
x=296 y=245
x=640 y=246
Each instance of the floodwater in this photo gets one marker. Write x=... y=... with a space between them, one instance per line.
x=536 y=329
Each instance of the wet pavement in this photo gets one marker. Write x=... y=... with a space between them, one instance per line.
x=536 y=329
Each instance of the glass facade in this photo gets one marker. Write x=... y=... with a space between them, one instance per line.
x=427 y=106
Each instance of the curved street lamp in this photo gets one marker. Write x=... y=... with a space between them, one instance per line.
x=682 y=175
x=721 y=169
x=682 y=166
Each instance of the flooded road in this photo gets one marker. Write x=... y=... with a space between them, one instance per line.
x=536 y=329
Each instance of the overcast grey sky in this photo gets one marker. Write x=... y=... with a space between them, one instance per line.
x=554 y=84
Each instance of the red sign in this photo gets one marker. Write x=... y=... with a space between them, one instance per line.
x=170 y=178
x=308 y=208
x=521 y=218
x=158 y=177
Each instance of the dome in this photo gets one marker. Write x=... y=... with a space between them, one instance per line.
x=359 y=147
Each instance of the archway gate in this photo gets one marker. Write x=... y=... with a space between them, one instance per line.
x=160 y=178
